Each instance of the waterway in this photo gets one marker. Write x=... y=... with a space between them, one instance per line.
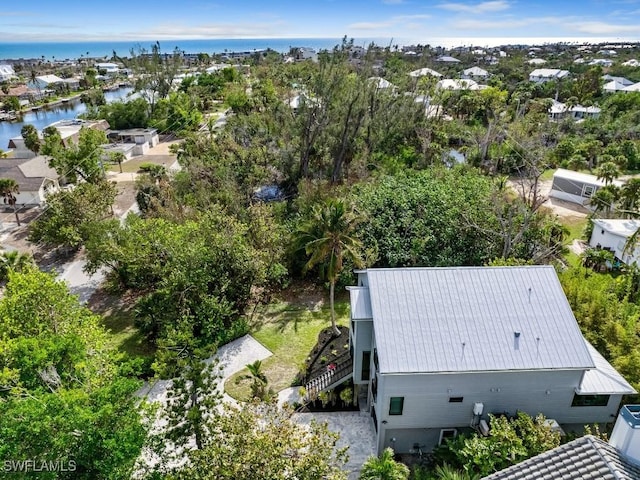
x=46 y=116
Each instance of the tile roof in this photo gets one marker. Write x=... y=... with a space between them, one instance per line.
x=465 y=319
x=586 y=458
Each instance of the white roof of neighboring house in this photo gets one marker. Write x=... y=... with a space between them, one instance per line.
x=475 y=72
x=6 y=70
x=455 y=84
x=448 y=59
x=623 y=227
x=601 y=61
x=613 y=86
x=47 y=79
x=537 y=61
x=423 y=72
x=380 y=82
x=631 y=63
x=469 y=319
x=622 y=80
x=549 y=73
x=582 y=177
x=632 y=88
x=579 y=61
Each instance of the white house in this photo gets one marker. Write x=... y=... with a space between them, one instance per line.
x=34 y=177
x=45 y=81
x=631 y=63
x=537 y=61
x=142 y=138
x=435 y=350
x=475 y=73
x=624 y=81
x=454 y=84
x=6 y=72
x=559 y=110
x=603 y=62
x=632 y=88
x=447 y=59
x=380 y=83
x=423 y=72
x=576 y=187
x=107 y=68
x=541 y=75
x=305 y=53
x=613 y=86
x=613 y=235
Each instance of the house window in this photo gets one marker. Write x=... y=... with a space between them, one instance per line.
x=590 y=400
x=447 y=433
x=366 y=366
x=396 y=405
x=375 y=358
x=588 y=190
x=456 y=399
x=375 y=417
x=374 y=388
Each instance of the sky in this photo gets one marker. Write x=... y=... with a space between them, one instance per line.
x=411 y=20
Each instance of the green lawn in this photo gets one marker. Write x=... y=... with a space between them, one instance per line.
x=118 y=320
x=290 y=331
x=132 y=166
x=576 y=226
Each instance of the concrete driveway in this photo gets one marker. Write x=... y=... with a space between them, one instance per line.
x=356 y=432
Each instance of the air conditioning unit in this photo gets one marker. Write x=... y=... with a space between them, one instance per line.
x=484 y=428
x=478 y=408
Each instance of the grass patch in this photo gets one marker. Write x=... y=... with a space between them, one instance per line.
x=133 y=166
x=547 y=175
x=290 y=331
x=118 y=320
x=576 y=226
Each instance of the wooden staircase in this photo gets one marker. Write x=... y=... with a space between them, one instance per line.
x=336 y=373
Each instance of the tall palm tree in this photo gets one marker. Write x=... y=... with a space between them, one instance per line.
x=9 y=188
x=630 y=195
x=327 y=241
x=607 y=171
x=384 y=467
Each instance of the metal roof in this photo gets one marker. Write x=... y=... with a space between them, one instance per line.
x=360 y=303
x=464 y=319
x=624 y=227
x=604 y=379
x=582 y=177
x=585 y=458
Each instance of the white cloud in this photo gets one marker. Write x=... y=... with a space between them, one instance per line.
x=602 y=28
x=483 y=7
x=369 y=25
x=408 y=21
x=505 y=23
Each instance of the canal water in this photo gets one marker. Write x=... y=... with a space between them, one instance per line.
x=43 y=117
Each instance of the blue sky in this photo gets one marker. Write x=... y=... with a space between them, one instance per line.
x=415 y=20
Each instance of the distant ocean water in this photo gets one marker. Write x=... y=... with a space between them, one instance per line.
x=74 y=50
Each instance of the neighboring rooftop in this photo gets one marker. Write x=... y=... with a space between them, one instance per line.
x=28 y=173
x=585 y=458
x=624 y=227
x=582 y=177
x=465 y=319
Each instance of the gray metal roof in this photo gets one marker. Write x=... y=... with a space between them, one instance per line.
x=360 y=303
x=585 y=458
x=604 y=379
x=465 y=319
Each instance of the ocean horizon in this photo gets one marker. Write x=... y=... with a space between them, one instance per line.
x=101 y=49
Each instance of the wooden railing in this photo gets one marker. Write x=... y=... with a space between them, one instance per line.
x=336 y=371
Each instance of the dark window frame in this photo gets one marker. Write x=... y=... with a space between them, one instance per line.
x=456 y=399
x=396 y=405
x=365 y=371
x=590 y=400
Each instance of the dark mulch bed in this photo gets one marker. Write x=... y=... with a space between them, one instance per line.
x=329 y=351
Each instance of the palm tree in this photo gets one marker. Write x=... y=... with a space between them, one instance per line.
x=630 y=195
x=607 y=171
x=603 y=200
x=447 y=472
x=384 y=467
x=9 y=188
x=327 y=242
x=14 y=261
x=259 y=381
